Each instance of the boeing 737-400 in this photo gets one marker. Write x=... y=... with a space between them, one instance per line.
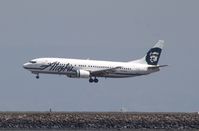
x=93 y=69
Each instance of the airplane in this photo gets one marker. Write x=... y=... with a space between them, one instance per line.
x=93 y=69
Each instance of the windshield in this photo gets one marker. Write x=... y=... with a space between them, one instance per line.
x=33 y=62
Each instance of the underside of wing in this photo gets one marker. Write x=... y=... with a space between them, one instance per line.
x=101 y=73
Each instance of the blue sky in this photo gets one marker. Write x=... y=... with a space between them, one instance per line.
x=106 y=30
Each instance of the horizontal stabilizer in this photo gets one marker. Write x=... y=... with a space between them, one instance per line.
x=158 y=66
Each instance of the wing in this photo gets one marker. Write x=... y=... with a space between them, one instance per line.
x=104 y=72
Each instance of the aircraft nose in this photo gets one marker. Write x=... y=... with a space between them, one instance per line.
x=25 y=65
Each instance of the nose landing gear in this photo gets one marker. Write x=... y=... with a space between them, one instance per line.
x=37 y=76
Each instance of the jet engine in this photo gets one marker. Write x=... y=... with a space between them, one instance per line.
x=79 y=74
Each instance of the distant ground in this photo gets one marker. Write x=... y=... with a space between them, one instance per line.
x=98 y=120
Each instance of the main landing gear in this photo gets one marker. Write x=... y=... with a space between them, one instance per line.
x=91 y=80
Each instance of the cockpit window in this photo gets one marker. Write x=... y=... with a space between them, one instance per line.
x=33 y=62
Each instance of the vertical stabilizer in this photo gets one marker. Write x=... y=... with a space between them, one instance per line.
x=153 y=55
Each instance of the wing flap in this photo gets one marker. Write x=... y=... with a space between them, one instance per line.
x=104 y=72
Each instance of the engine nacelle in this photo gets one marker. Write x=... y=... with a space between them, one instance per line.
x=79 y=74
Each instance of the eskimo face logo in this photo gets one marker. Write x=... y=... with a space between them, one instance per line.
x=153 y=55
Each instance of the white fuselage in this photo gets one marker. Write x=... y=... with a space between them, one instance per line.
x=78 y=68
x=70 y=66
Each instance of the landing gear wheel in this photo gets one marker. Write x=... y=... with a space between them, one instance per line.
x=37 y=76
x=91 y=80
x=96 y=80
